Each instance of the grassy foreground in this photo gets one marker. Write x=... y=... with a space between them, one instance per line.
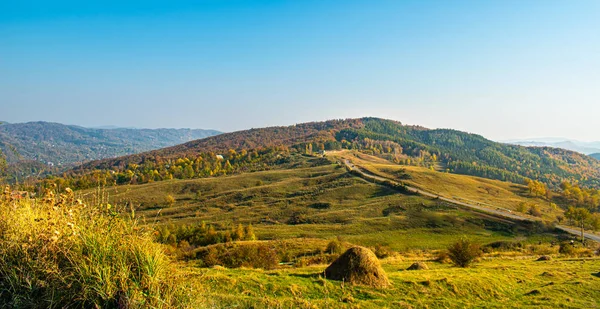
x=519 y=282
x=60 y=253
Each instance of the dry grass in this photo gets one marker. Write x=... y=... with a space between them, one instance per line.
x=358 y=265
x=58 y=252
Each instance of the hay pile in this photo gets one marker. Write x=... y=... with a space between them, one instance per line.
x=358 y=265
x=418 y=266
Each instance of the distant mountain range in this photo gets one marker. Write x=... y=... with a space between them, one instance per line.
x=573 y=145
x=67 y=145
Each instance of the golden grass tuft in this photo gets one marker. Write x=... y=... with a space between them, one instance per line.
x=358 y=265
x=58 y=252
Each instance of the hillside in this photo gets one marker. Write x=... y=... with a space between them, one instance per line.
x=319 y=200
x=442 y=149
x=65 y=145
x=595 y=156
x=295 y=213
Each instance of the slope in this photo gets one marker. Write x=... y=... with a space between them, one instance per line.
x=451 y=150
x=318 y=200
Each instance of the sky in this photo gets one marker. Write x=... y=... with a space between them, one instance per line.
x=504 y=69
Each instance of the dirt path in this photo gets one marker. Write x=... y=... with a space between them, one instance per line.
x=495 y=212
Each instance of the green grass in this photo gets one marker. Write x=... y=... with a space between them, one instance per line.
x=469 y=189
x=361 y=212
x=326 y=202
x=491 y=283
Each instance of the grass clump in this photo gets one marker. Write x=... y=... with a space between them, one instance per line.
x=463 y=252
x=58 y=252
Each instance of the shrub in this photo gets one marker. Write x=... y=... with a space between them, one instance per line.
x=566 y=248
x=241 y=255
x=58 y=253
x=535 y=211
x=320 y=205
x=463 y=252
x=334 y=247
x=316 y=260
x=442 y=257
x=169 y=200
x=382 y=251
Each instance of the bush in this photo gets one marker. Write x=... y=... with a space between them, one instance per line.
x=320 y=205
x=463 y=252
x=59 y=253
x=442 y=257
x=382 y=251
x=241 y=255
x=566 y=248
x=169 y=200
x=334 y=247
x=535 y=211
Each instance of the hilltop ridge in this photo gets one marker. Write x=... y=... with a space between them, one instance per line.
x=441 y=149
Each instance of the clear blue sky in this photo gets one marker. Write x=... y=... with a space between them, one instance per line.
x=503 y=69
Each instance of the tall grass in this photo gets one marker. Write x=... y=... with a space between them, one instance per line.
x=57 y=252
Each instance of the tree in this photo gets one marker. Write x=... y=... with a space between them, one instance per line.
x=238 y=233
x=536 y=188
x=249 y=231
x=580 y=216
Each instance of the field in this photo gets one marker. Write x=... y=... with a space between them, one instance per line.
x=469 y=189
x=296 y=213
x=493 y=283
x=318 y=201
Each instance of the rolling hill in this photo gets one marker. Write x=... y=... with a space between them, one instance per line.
x=440 y=149
x=67 y=145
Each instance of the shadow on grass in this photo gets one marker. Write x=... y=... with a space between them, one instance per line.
x=382 y=191
x=309 y=276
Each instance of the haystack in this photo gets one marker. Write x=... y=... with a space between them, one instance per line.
x=418 y=266
x=358 y=265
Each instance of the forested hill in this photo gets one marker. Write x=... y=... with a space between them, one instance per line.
x=441 y=149
x=64 y=145
x=595 y=156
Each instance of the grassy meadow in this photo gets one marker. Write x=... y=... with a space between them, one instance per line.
x=318 y=202
x=102 y=244
x=518 y=282
x=469 y=189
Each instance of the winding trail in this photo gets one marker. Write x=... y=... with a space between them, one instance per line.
x=505 y=213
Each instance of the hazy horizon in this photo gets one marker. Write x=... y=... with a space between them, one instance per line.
x=501 y=69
